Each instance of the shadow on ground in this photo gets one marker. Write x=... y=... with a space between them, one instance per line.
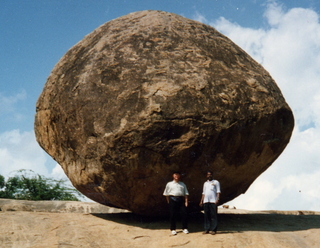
x=268 y=222
x=228 y=223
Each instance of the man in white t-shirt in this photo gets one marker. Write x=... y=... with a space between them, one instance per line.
x=176 y=193
x=209 y=200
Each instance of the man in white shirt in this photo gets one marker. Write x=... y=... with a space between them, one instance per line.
x=176 y=193
x=209 y=200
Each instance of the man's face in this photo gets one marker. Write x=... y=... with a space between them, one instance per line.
x=176 y=176
x=209 y=176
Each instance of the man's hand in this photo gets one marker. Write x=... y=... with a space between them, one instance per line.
x=186 y=200
x=201 y=201
x=218 y=197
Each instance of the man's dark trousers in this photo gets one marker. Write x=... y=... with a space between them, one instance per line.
x=177 y=205
x=210 y=216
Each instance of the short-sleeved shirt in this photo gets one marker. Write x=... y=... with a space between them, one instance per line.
x=210 y=191
x=175 y=189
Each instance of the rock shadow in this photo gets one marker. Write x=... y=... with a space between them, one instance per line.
x=228 y=223
x=267 y=222
x=153 y=223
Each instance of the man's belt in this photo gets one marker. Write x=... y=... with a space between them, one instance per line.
x=176 y=198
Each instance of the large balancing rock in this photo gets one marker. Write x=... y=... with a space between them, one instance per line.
x=151 y=93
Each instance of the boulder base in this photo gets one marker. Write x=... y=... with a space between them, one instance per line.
x=151 y=93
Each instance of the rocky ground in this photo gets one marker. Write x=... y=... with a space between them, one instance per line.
x=79 y=224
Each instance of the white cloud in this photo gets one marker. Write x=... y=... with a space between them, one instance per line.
x=58 y=172
x=274 y=12
x=289 y=49
x=8 y=103
x=200 y=18
x=21 y=151
x=9 y=110
x=291 y=183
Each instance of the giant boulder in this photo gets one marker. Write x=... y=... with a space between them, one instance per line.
x=151 y=93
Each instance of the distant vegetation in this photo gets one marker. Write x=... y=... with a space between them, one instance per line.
x=27 y=185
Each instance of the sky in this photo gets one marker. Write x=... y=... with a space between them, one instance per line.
x=283 y=36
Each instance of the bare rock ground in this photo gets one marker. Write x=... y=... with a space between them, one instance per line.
x=29 y=224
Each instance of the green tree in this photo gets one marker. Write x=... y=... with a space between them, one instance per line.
x=26 y=185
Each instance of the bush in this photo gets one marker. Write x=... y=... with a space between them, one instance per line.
x=26 y=185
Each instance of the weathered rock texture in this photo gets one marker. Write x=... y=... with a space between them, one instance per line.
x=150 y=93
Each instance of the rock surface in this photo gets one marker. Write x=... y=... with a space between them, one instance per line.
x=237 y=228
x=151 y=93
x=56 y=206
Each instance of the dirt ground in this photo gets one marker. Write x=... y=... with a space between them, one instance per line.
x=237 y=228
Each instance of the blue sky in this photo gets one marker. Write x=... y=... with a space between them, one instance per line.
x=284 y=36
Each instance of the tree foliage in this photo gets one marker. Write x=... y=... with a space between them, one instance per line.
x=27 y=185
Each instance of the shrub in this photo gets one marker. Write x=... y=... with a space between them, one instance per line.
x=27 y=185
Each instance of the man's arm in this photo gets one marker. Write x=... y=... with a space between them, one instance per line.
x=166 y=192
x=202 y=197
x=218 y=198
x=186 y=200
x=201 y=201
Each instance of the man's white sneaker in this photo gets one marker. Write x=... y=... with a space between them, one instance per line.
x=173 y=232
x=185 y=231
